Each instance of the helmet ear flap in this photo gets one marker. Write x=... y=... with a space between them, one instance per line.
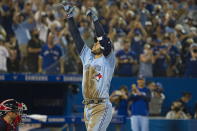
x=100 y=40
x=24 y=106
x=21 y=108
x=106 y=45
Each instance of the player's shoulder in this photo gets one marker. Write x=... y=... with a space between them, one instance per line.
x=85 y=50
x=85 y=54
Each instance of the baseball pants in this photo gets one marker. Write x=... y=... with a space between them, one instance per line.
x=139 y=123
x=98 y=116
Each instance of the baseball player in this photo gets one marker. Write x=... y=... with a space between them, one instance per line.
x=98 y=67
x=11 y=112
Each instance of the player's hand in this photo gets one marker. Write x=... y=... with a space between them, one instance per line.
x=69 y=10
x=91 y=13
x=136 y=91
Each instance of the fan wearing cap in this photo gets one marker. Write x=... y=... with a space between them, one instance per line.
x=11 y=112
x=140 y=98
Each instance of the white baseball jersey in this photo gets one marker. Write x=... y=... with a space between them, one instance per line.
x=97 y=74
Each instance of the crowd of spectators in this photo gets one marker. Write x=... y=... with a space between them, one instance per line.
x=133 y=102
x=149 y=91
x=152 y=38
x=146 y=98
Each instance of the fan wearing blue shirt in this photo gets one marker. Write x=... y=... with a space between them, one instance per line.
x=174 y=54
x=140 y=98
x=120 y=100
x=191 y=64
x=161 y=61
x=137 y=42
x=50 y=59
x=125 y=61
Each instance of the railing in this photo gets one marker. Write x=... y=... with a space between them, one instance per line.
x=123 y=123
x=40 y=78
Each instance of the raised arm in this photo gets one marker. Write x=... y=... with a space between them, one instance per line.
x=100 y=34
x=74 y=29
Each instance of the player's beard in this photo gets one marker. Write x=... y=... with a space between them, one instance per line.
x=97 y=52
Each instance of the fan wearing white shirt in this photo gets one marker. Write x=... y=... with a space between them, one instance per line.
x=4 y=54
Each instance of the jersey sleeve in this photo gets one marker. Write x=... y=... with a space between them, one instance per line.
x=85 y=53
x=76 y=35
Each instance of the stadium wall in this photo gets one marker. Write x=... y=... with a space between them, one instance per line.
x=61 y=95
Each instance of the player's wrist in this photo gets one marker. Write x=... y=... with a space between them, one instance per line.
x=91 y=13
x=69 y=11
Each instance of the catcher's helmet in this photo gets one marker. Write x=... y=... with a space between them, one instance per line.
x=12 y=105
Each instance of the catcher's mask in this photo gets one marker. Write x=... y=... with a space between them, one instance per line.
x=12 y=105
